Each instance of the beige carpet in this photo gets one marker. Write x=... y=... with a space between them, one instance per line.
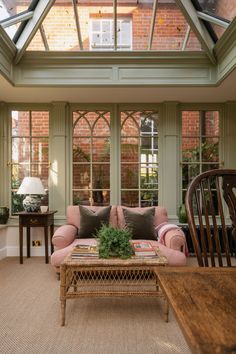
x=30 y=318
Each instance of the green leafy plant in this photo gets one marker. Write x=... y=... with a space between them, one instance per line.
x=114 y=242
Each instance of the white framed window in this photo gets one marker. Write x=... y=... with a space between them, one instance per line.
x=101 y=34
x=201 y=141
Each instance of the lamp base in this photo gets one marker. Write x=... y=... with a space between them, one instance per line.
x=31 y=203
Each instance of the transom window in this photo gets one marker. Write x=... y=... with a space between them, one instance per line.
x=29 y=151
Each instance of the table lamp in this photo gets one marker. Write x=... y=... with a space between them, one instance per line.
x=32 y=187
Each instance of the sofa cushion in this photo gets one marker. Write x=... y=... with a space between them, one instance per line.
x=159 y=217
x=73 y=214
x=91 y=221
x=140 y=223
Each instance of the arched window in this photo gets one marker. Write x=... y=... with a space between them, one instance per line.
x=91 y=157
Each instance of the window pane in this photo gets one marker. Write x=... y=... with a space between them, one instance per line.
x=129 y=127
x=101 y=149
x=81 y=197
x=101 y=126
x=20 y=123
x=149 y=198
x=81 y=149
x=101 y=176
x=189 y=172
x=20 y=150
x=81 y=176
x=40 y=150
x=191 y=149
x=190 y=123
x=210 y=149
x=130 y=198
x=40 y=123
x=130 y=149
x=149 y=176
x=129 y=176
x=211 y=124
x=18 y=172
x=41 y=171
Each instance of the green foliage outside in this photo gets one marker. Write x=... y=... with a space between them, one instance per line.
x=114 y=242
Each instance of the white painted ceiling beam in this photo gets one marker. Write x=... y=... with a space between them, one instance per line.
x=17 y=18
x=187 y=34
x=212 y=19
x=74 y=3
x=32 y=26
x=154 y=11
x=197 y=26
x=115 y=23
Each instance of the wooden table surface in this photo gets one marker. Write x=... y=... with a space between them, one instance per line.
x=204 y=302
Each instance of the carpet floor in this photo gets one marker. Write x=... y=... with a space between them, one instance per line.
x=30 y=318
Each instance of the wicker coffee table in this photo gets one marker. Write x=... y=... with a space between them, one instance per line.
x=109 y=277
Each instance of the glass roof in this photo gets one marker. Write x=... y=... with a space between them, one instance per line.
x=92 y=25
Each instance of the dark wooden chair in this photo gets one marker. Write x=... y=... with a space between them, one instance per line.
x=211 y=210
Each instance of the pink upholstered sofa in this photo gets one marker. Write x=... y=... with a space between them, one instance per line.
x=170 y=238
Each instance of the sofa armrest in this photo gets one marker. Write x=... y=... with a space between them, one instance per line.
x=64 y=236
x=172 y=236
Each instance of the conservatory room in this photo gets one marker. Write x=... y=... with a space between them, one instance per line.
x=117 y=130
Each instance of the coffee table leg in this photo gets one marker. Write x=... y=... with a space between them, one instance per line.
x=63 y=312
x=166 y=311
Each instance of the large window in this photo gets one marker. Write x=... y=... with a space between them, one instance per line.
x=29 y=151
x=95 y=154
x=200 y=144
x=91 y=157
x=139 y=158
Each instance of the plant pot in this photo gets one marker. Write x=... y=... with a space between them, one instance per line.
x=4 y=215
x=182 y=214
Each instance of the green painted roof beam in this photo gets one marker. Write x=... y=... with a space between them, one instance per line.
x=32 y=26
x=197 y=26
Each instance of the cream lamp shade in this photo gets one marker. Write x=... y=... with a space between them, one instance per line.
x=32 y=187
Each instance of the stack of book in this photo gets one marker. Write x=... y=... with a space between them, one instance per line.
x=144 y=249
x=85 y=251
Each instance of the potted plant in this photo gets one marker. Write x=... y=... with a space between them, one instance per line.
x=4 y=214
x=114 y=242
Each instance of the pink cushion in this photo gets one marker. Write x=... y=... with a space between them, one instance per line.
x=64 y=235
x=159 y=217
x=174 y=258
x=73 y=214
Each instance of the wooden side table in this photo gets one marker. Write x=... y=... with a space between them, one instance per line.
x=38 y=219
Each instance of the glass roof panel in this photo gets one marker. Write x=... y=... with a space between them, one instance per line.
x=171 y=30
x=225 y=9
x=89 y=26
x=9 y=8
